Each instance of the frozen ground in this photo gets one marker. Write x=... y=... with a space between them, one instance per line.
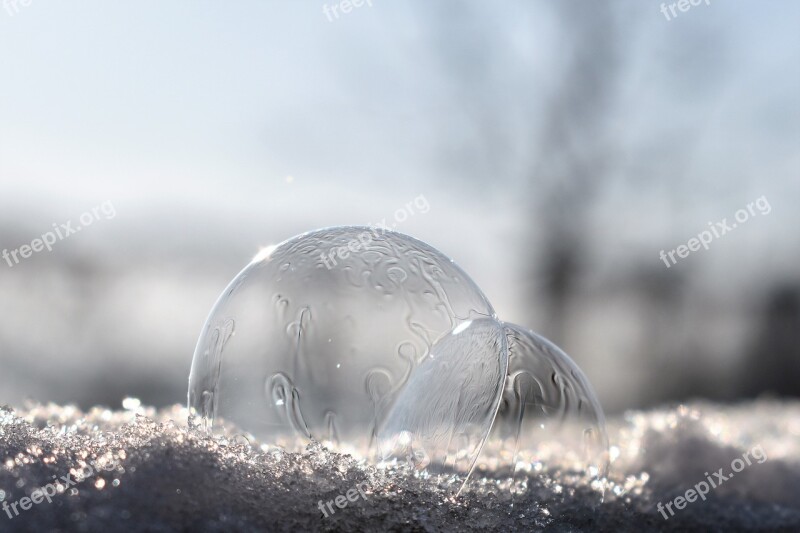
x=151 y=474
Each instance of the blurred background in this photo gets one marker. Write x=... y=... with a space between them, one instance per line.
x=560 y=147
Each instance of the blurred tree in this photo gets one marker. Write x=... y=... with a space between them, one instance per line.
x=772 y=362
x=576 y=150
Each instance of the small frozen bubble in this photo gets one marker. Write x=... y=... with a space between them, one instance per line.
x=317 y=337
x=549 y=419
x=442 y=417
x=536 y=407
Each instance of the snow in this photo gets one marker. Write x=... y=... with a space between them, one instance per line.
x=153 y=473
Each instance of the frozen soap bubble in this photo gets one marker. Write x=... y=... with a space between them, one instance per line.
x=549 y=419
x=444 y=413
x=537 y=409
x=317 y=338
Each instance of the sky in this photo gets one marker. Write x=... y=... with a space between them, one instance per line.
x=215 y=129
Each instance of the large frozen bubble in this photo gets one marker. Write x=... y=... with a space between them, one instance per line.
x=317 y=338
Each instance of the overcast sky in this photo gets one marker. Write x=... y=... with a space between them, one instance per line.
x=216 y=128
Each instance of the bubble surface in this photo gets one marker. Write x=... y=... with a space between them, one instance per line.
x=318 y=338
x=442 y=418
x=549 y=418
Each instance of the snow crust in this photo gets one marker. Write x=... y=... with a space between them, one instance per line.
x=147 y=471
